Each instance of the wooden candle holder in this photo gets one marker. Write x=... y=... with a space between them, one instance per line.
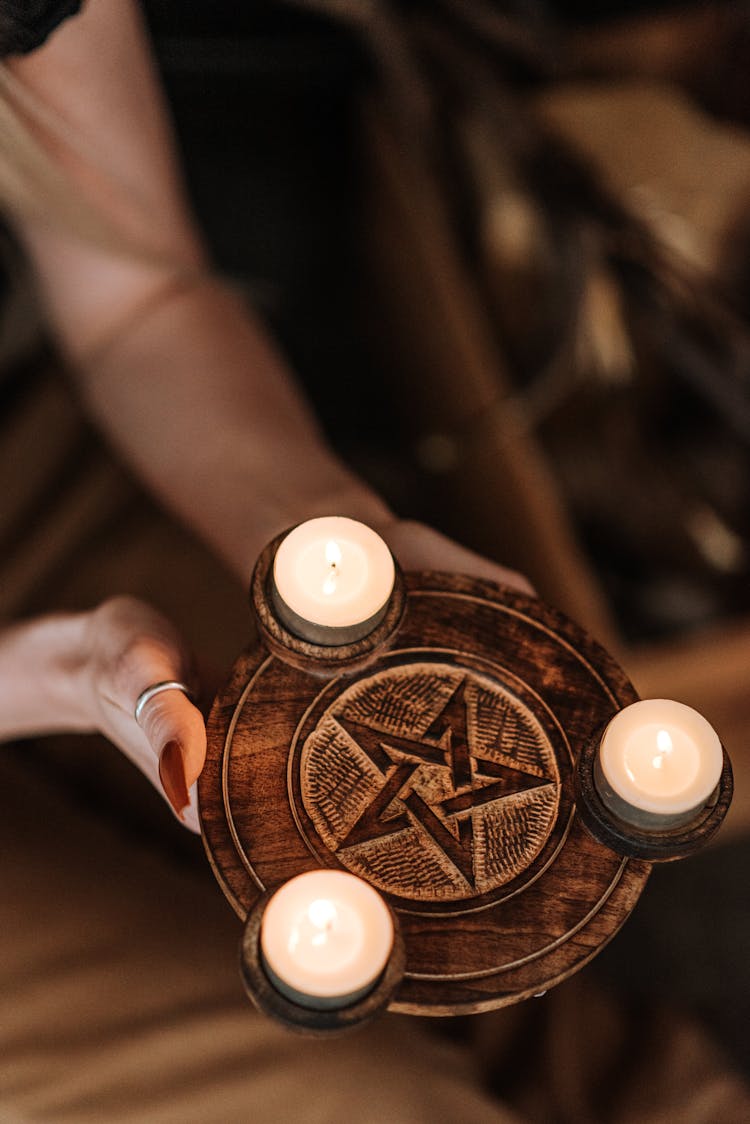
x=655 y=845
x=439 y=759
x=307 y=1020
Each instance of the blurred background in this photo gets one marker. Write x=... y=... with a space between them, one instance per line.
x=506 y=247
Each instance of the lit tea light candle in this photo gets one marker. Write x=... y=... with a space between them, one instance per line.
x=332 y=580
x=325 y=939
x=659 y=763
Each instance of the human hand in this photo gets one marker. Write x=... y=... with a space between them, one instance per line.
x=129 y=646
x=85 y=671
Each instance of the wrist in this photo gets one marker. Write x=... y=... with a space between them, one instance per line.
x=44 y=677
x=340 y=493
x=353 y=501
x=375 y=516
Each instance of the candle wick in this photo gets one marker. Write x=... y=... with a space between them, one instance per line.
x=333 y=557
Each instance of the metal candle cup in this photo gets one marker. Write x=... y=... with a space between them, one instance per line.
x=659 y=763
x=325 y=939
x=332 y=581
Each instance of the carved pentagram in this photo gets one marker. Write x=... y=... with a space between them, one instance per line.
x=433 y=781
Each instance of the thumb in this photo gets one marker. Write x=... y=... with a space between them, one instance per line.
x=176 y=732
x=133 y=648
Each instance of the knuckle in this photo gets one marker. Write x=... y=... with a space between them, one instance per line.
x=138 y=661
x=133 y=646
x=121 y=609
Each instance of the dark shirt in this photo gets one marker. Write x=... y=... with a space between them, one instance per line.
x=25 y=24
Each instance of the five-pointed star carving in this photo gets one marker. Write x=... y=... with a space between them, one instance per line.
x=445 y=745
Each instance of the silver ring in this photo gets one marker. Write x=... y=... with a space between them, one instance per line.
x=156 y=689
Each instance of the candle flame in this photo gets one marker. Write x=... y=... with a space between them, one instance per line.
x=333 y=557
x=333 y=552
x=664 y=741
x=665 y=745
x=322 y=913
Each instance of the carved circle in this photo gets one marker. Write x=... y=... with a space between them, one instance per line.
x=437 y=782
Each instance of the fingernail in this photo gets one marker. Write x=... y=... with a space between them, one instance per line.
x=172 y=776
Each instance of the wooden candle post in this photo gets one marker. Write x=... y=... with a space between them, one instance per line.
x=446 y=758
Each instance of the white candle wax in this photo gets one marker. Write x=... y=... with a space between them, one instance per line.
x=661 y=757
x=326 y=937
x=332 y=573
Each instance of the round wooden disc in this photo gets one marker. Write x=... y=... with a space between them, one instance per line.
x=442 y=772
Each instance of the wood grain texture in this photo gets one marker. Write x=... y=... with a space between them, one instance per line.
x=443 y=772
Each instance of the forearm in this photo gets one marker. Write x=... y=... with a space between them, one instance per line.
x=170 y=363
x=205 y=409
x=42 y=677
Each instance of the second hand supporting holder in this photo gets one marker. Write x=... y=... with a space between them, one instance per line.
x=447 y=760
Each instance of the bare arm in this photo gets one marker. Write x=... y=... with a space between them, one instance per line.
x=185 y=383
x=181 y=377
